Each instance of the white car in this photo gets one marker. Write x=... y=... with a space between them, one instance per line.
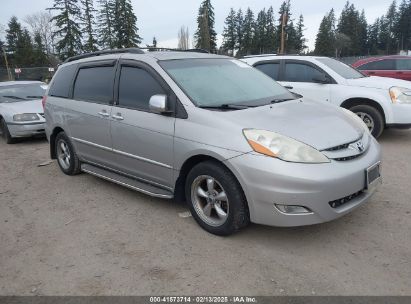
x=21 y=110
x=380 y=102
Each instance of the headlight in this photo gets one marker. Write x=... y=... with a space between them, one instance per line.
x=357 y=119
x=282 y=147
x=26 y=117
x=400 y=95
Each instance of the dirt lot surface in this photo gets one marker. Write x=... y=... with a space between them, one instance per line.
x=81 y=235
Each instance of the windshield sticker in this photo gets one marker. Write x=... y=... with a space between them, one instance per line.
x=240 y=64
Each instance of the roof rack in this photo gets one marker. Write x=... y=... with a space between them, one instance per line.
x=105 y=52
x=159 y=49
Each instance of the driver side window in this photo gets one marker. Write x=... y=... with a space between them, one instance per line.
x=298 y=72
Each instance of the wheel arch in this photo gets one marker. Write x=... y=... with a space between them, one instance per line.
x=53 y=135
x=351 y=102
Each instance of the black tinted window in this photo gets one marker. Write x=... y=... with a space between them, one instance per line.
x=60 y=86
x=136 y=88
x=270 y=69
x=94 y=84
x=404 y=64
x=382 y=65
x=296 y=72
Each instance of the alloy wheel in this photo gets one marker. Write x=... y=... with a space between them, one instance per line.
x=63 y=154
x=367 y=119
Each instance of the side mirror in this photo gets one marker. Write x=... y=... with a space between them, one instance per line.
x=323 y=79
x=159 y=104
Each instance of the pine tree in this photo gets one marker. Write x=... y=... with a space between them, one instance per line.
x=248 y=33
x=88 y=25
x=39 y=54
x=230 y=33
x=68 y=30
x=239 y=23
x=373 y=37
x=300 y=45
x=206 y=36
x=270 y=39
x=403 y=25
x=24 y=54
x=391 y=20
x=125 y=25
x=260 y=33
x=105 y=23
x=13 y=34
x=324 y=44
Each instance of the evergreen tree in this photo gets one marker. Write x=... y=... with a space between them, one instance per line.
x=259 y=41
x=24 y=55
x=206 y=36
x=40 y=57
x=68 y=30
x=105 y=23
x=239 y=23
x=88 y=25
x=324 y=44
x=125 y=25
x=270 y=39
x=291 y=39
x=230 y=33
x=248 y=33
x=13 y=34
x=300 y=45
x=403 y=25
x=373 y=37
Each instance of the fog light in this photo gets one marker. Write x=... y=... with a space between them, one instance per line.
x=288 y=209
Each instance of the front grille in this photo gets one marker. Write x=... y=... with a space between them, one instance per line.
x=42 y=115
x=348 y=158
x=337 y=148
x=342 y=201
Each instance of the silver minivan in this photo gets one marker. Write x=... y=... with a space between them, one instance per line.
x=212 y=131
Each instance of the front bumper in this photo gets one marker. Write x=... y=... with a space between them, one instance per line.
x=26 y=129
x=401 y=116
x=267 y=181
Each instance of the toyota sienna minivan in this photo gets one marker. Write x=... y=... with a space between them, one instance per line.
x=212 y=131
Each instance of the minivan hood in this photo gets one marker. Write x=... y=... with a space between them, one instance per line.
x=317 y=124
x=375 y=82
x=19 y=107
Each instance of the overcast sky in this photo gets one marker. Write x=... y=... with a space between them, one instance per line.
x=163 y=18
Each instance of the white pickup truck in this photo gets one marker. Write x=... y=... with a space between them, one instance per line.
x=380 y=102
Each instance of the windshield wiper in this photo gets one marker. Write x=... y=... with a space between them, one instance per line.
x=227 y=107
x=34 y=96
x=281 y=100
x=14 y=97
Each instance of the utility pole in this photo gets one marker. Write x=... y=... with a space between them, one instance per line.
x=283 y=23
x=7 y=64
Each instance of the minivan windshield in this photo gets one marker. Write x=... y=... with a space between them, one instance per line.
x=341 y=69
x=224 y=83
x=22 y=92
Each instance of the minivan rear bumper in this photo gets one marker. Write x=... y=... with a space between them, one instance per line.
x=268 y=181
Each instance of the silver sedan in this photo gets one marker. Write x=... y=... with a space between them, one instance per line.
x=21 y=111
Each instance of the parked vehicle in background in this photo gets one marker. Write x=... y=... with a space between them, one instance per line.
x=379 y=102
x=213 y=131
x=388 y=66
x=21 y=111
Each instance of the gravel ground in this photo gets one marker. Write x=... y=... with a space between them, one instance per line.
x=81 y=235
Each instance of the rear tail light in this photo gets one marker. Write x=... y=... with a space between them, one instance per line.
x=43 y=102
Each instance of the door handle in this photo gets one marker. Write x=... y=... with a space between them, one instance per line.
x=289 y=87
x=103 y=113
x=118 y=116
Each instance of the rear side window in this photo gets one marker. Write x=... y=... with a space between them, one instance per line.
x=297 y=72
x=270 y=69
x=60 y=86
x=381 y=65
x=94 y=84
x=136 y=88
x=404 y=64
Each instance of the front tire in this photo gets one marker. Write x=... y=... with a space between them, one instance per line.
x=4 y=132
x=371 y=117
x=67 y=157
x=216 y=199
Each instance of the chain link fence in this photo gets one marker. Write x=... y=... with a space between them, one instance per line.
x=36 y=73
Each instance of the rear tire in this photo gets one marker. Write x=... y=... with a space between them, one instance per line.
x=371 y=117
x=4 y=132
x=216 y=199
x=67 y=157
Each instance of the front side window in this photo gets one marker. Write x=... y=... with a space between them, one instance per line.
x=61 y=82
x=22 y=92
x=381 y=65
x=219 y=82
x=270 y=69
x=297 y=72
x=341 y=68
x=94 y=84
x=136 y=88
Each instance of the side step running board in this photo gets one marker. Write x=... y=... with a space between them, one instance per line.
x=128 y=182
